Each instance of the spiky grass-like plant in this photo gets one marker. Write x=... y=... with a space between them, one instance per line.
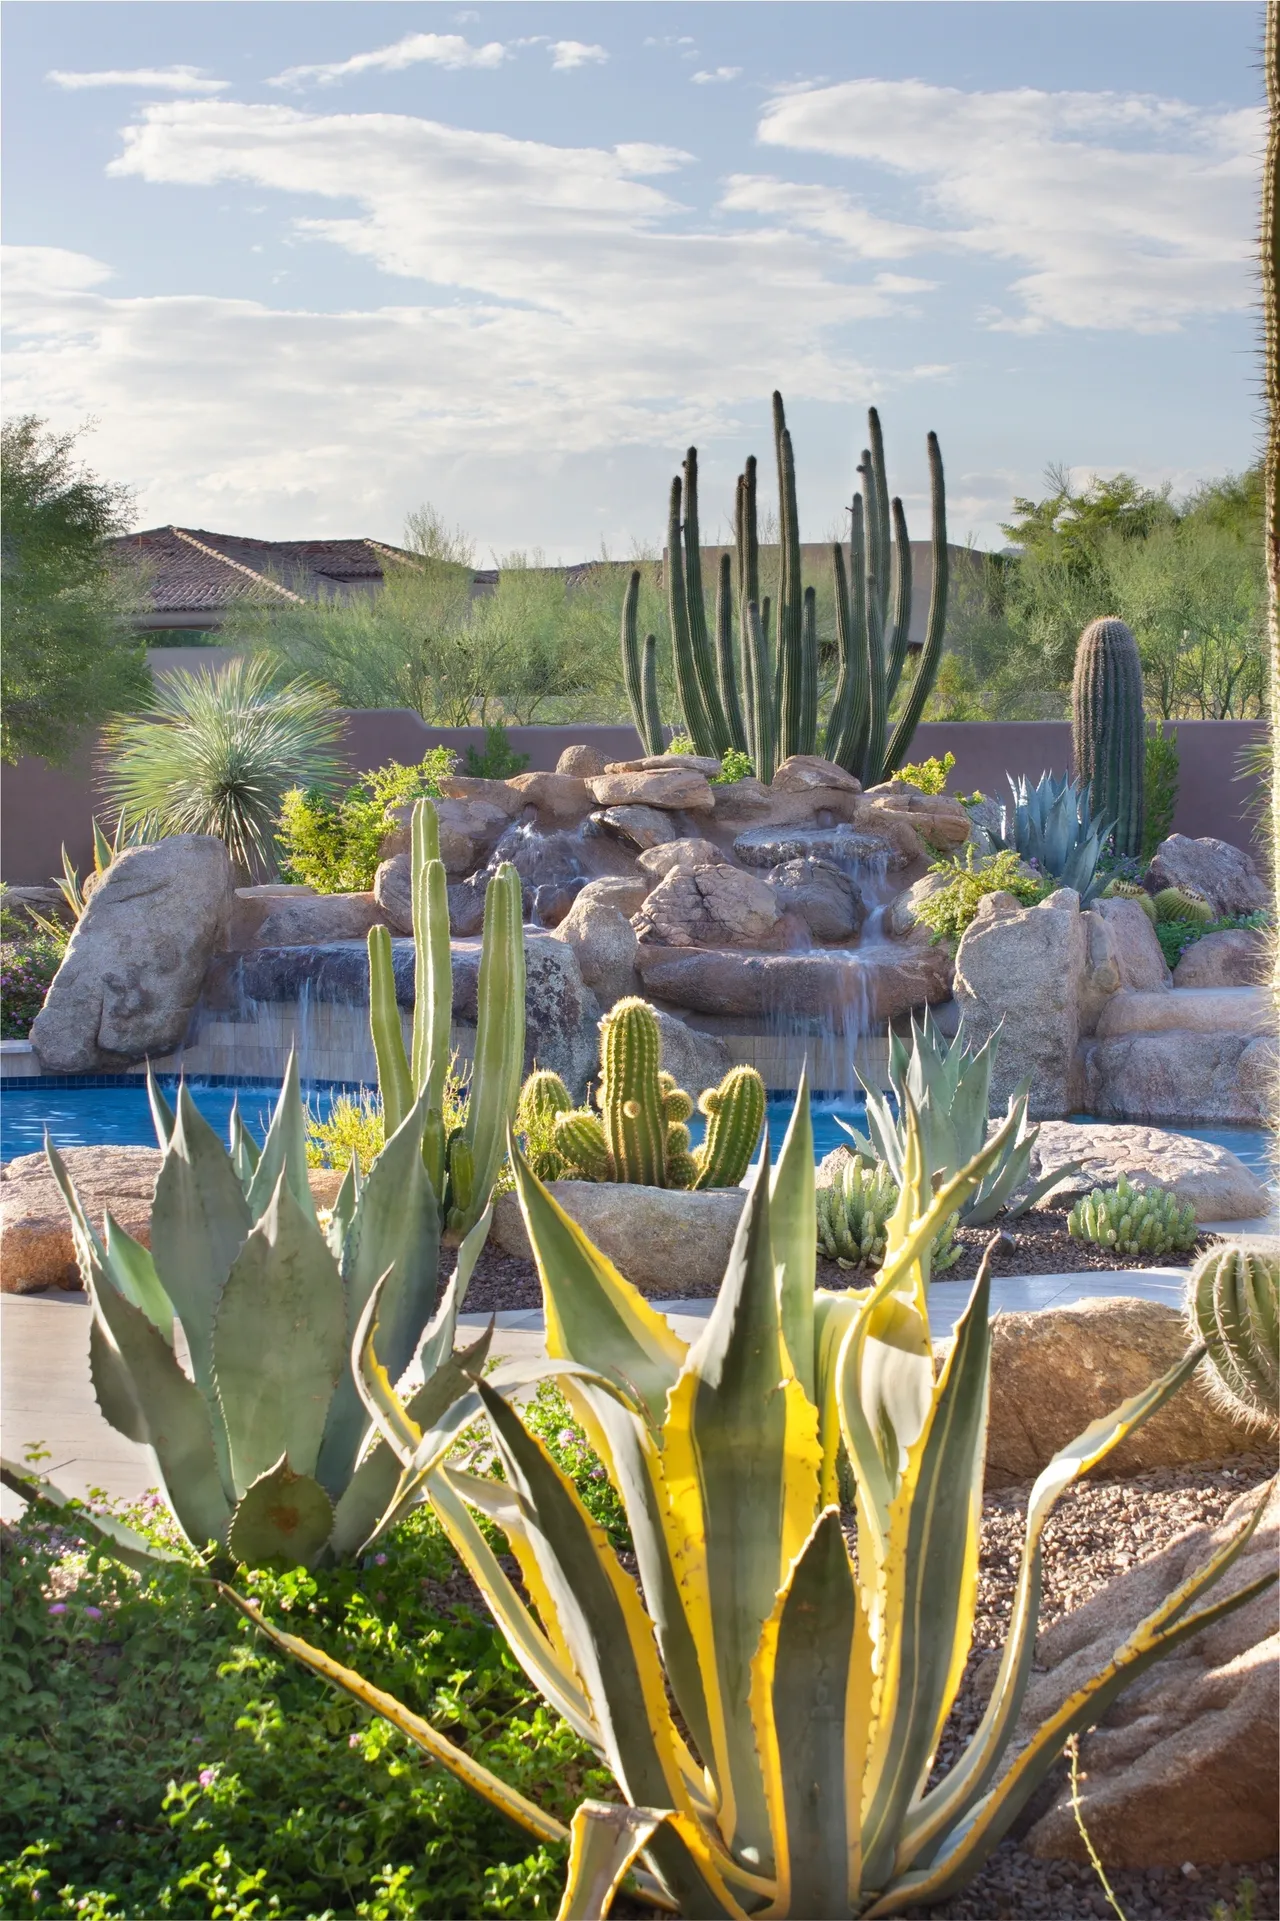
x=216 y=754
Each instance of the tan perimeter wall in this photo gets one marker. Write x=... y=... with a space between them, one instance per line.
x=43 y=807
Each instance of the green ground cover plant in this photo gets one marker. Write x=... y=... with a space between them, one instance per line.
x=334 y=844
x=930 y=776
x=952 y=908
x=1176 y=936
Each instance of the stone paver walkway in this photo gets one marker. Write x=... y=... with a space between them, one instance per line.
x=46 y=1398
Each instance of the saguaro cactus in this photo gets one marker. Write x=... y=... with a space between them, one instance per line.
x=1108 y=729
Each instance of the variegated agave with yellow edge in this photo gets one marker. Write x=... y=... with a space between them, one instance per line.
x=769 y=1702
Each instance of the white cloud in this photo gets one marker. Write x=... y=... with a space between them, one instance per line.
x=828 y=211
x=566 y=54
x=441 y=49
x=715 y=76
x=1119 y=210
x=152 y=79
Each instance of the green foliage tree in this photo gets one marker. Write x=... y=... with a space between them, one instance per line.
x=69 y=656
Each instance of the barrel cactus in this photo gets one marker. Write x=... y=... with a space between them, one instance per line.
x=1108 y=729
x=1233 y=1306
x=1130 y=890
x=1183 y=904
x=1134 y=1220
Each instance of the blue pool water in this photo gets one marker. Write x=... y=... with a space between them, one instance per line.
x=120 y=1116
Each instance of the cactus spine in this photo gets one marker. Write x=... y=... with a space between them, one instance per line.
x=1233 y=1306
x=735 y=1115
x=641 y=672
x=1108 y=731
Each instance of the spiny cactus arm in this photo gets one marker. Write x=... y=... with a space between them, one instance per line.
x=395 y=1082
x=878 y=517
x=635 y=673
x=790 y=675
x=935 y=627
x=652 y=710
x=726 y=676
x=580 y=1138
x=900 y=627
x=735 y=1115
x=631 y=1096
x=749 y=536
x=836 y=742
x=433 y=959
x=877 y=697
x=704 y=659
x=499 y=1056
x=764 y=744
x=809 y=673
x=688 y=690
x=746 y=664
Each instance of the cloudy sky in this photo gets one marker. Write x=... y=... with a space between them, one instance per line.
x=307 y=266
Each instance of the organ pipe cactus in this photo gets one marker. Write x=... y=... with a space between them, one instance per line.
x=1052 y=824
x=1233 y=1306
x=766 y=703
x=947 y=1088
x=1134 y=1220
x=640 y=671
x=768 y=1700
x=1108 y=730
x=265 y=1448
x=462 y=1168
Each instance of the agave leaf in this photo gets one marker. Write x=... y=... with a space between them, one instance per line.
x=946 y=1804
x=130 y=1268
x=284 y=1517
x=601 y=1616
x=740 y=1442
x=345 y=1202
x=592 y=1313
x=113 y=1387
x=507 y=1800
x=604 y=1840
x=161 y=1112
x=802 y=1704
x=279 y=1341
x=285 y=1149
x=134 y=1549
x=245 y=1152
x=177 y=1417
x=929 y=1586
x=794 y=1232
x=429 y=1409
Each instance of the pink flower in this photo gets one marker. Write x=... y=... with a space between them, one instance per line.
x=379 y=1560
x=207 y=1777
x=94 y=1614
x=353 y=1740
x=58 y=1607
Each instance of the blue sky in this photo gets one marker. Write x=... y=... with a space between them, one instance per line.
x=309 y=266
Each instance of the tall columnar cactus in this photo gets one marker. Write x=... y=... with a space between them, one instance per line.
x=640 y=670
x=735 y=1115
x=463 y=1167
x=1233 y=1306
x=1108 y=731
x=766 y=702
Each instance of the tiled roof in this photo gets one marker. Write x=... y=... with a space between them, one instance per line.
x=190 y=570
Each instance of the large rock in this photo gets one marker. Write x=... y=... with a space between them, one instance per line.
x=304 y=920
x=664 y=1239
x=1022 y=972
x=849 y=989
x=638 y=827
x=711 y=906
x=470 y=828
x=1193 y=1010
x=562 y=799
x=822 y=895
x=1054 y=1372
x=1181 y=1076
x=1216 y=1182
x=739 y=803
x=1224 y=874
x=941 y=821
x=133 y=968
x=561 y=1012
x=876 y=842
x=581 y=761
x=626 y=892
x=689 y=853
x=550 y=859
x=809 y=773
x=665 y=764
x=677 y=790
x=696 y=1059
x=466 y=904
x=903 y=914
x=1121 y=952
x=36 y=1249
x=503 y=795
x=1183 y=1766
x=1233 y=957
x=604 y=942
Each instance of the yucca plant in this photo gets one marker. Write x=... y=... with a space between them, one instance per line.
x=1052 y=824
x=216 y=754
x=948 y=1090
x=770 y=1702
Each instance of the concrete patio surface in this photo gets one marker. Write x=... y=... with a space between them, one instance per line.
x=46 y=1398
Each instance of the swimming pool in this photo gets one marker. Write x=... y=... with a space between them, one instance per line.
x=119 y=1116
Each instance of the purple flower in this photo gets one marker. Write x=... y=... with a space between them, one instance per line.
x=58 y=1607
x=379 y=1560
x=597 y=1474
x=207 y=1777
x=93 y=1614
x=566 y=1437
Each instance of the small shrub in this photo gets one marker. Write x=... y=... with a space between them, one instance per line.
x=930 y=776
x=1176 y=936
x=1160 y=788
x=950 y=911
x=353 y=1125
x=681 y=744
x=27 y=965
x=335 y=846
x=734 y=765
x=498 y=759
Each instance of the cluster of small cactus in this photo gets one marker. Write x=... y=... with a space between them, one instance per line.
x=1108 y=729
x=853 y=1213
x=640 y=1134
x=1186 y=904
x=1233 y=1306
x=760 y=699
x=1133 y=1220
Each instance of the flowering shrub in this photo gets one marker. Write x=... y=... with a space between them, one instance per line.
x=930 y=776
x=27 y=965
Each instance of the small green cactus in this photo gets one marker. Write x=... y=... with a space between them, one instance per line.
x=1134 y=1220
x=1130 y=890
x=1233 y=1306
x=543 y=1098
x=735 y=1115
x=1182 y=904
x=580 y=1141
x=854 y=1211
